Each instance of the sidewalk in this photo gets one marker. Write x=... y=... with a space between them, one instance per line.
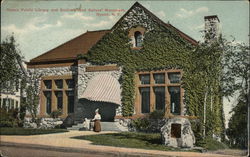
x=62 y=141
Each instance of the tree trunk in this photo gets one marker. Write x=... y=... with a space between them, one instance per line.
x=205 y=110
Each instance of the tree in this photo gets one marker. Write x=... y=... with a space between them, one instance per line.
x=32 y=93
x=237 y=130
x=11 y=64
x=236 y=78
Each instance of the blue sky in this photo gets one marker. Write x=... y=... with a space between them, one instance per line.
x=39 y=29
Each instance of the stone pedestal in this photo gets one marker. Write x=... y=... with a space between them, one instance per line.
x=177 y=132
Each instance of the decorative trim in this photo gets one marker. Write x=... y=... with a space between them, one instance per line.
x=102 y=68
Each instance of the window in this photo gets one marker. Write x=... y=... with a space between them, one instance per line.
x=159 y=78
x=48 y=84
x=138 y=39
x=174 y=77
x=159 y=90
x=58 y=94
x=145 y=79
x=174 y=99
x=145 y=99
x=48 y=101
x=59 y=98
x=17 y=104
x=159 y=98
x=17 y=85
x=136 y=35
x=59 y=84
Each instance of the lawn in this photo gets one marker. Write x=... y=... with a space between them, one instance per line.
x=129 y=140
x=23 y=131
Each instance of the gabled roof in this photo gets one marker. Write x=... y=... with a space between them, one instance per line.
x=183 y=35
x=82 y=44
x=70 y=49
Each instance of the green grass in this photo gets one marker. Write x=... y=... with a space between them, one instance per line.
x=23 y=131
x=211 y=144
x=129 y=140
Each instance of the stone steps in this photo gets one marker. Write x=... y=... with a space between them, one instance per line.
x=105 y=126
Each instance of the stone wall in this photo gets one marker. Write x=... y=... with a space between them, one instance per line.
x=138 y=17
x=43 y=123
x=36 y=74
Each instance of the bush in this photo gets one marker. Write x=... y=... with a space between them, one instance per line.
x=56 y=113
x=8 y=119
x=211 y=144
x=196 y=126
x=156 y=114
x=141 y=124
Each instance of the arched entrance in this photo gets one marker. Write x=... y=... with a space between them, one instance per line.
x=103 y=92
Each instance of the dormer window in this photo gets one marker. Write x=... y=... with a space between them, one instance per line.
x=138 y=39
x=136 y=35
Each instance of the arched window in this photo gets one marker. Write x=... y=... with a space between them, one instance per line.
x=138 y=39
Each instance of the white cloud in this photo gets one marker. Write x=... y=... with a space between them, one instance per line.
x=78 y=16
x=198 y=27
x=34 y=24
x=111 y=19
x=184 y=13
x=161 y=14
x=99 y=24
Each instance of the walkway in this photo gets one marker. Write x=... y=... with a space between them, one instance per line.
x=64 y=141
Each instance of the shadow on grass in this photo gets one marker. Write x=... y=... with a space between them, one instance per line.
x=130 y=140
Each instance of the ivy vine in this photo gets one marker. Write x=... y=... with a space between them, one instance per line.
x=163 y=48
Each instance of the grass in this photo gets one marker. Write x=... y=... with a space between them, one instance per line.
x=24 y=131
x=130 y=140
x=211 y=144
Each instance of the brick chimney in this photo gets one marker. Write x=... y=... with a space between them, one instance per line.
x=212 y=28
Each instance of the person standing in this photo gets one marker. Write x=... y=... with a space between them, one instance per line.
x=97 y=121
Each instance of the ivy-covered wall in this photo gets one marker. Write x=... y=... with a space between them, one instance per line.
x=163 y=48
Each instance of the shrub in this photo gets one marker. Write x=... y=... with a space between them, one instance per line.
x=56 y=113
x=141 y=124
x=156 y=114
x=8 y=119
x=211 y=144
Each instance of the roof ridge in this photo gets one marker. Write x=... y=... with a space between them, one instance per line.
x=99 y=30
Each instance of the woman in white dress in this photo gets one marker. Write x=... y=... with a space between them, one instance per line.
x=97 y=121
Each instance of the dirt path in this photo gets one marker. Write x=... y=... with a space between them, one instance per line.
x=65 y=140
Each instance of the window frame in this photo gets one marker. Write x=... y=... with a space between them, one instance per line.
x=54 y=90
x=152 y=85
x=131 y=35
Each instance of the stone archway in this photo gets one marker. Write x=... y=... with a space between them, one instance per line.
x=103 y=92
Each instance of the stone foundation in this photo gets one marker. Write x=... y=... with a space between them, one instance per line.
x=44 y=123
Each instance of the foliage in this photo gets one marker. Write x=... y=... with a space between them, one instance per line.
x=56 y=113
x=211 y=144
x=237 y=126
x=28 y=131
x=236 y=68
x=196 y=126
x=8 y=119
x=32 y=94
x=10 y=64
x=236 y=79
x=129 y=140
x=164 y=49
x=141 y=124
x=156 y=114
